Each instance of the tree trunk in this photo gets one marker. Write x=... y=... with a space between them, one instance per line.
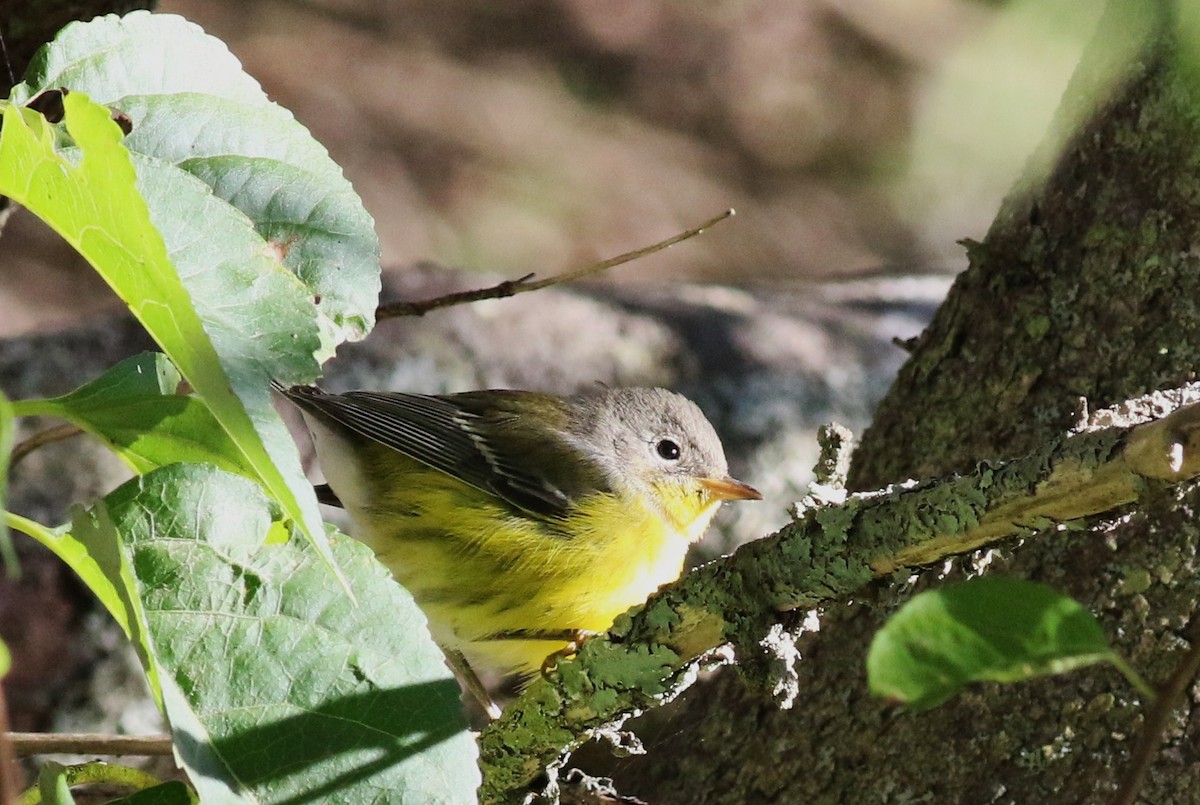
x=1086 y=286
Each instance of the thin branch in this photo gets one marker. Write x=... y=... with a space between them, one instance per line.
x=1154 y=730
x=42 y=438
x=826 y=555
x=526 y=284
x=84 y=743
x=9 y=771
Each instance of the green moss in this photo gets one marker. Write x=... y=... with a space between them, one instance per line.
x=1136 y=580
x=1037 y=327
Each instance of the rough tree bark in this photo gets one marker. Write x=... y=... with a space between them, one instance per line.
x=1086 y=286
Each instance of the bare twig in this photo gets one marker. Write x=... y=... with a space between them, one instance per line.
x=84 y=743
x=525 y=284
x=1153 y=731
x=40 y=439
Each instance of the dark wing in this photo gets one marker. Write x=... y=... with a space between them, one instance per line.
x=475 y=437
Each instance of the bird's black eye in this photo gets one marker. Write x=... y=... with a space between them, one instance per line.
x=668 y=450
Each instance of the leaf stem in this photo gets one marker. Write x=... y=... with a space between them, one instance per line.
x=1137 y=680
x=1153 y=731
x=29 y=527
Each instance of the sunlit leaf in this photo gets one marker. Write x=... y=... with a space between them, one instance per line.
x=63 y=544
x=217 y=124
x=255 y=328
x=1001 y=630
x=136 y=409
x=276 y=685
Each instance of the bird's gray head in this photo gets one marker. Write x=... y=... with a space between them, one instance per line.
x=646 y=435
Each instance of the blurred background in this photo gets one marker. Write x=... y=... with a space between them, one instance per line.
x=859 y=141
x=854 y=137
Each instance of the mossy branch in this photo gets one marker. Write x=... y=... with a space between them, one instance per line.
x=829 y=552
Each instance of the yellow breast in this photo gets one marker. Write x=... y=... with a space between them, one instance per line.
x=488 y=577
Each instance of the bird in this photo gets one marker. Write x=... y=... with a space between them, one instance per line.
x=521 y=522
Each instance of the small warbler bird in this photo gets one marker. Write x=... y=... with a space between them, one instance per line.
x=519 y=520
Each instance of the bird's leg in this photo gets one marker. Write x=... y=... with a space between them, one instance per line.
x=467 y=678
x=574 y=639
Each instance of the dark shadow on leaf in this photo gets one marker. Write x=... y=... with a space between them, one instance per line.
x=172 y=792
x=343 y=742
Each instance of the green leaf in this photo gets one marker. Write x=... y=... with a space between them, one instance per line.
x=75 y=555
x=277 y=686
x=996 y=629
x=252 y=323
x=136 y=409
x=54 y=784
x=5 y=660
x=166 y=56
x=102 y=541
x=217 y=124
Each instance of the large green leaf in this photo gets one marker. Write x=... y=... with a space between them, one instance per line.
x=276 y=685
x=161 y=50
x=137 y=409
x=1002 y=630
x=230 y=318
x=216 y=123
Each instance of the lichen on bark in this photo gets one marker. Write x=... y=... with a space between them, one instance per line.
x=1086 y=286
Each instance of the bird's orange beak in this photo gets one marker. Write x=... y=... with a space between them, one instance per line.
x=729 y=489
